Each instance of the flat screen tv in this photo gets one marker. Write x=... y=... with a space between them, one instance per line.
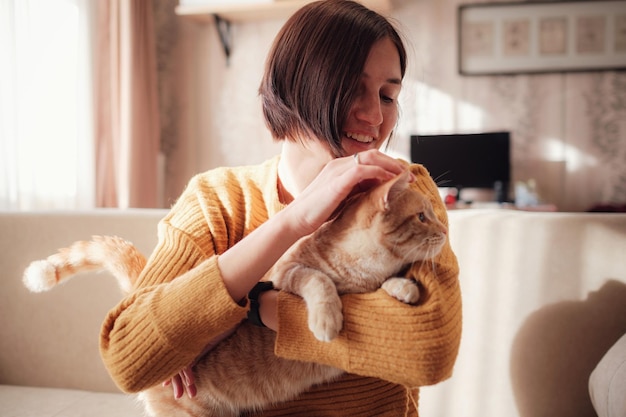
x=475 y=160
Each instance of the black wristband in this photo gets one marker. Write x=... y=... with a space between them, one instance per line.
x=253 y=296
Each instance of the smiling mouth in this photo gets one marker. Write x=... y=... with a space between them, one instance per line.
x=359 y=137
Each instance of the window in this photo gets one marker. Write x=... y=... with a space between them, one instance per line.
x=46 y=133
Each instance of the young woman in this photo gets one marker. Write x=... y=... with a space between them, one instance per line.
x=329 y=93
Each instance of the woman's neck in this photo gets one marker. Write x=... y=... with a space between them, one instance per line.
x=299 y=164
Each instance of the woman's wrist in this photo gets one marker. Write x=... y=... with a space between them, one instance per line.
x=244 y=264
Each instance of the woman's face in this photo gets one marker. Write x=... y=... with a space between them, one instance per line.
x=374 y=112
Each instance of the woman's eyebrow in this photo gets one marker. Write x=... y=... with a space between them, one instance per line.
x=392 y=80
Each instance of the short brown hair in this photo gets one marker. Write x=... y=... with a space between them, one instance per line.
x=314 y=67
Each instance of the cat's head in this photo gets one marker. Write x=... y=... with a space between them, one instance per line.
x=405 y=219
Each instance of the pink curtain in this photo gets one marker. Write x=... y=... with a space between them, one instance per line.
x=127 y=115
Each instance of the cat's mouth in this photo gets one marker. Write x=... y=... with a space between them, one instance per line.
x=359 y=137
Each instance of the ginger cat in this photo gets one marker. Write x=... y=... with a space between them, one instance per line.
x=374 y=237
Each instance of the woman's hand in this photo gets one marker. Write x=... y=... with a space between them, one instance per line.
x=245 y=263
x=183 y=382
x=339 y=179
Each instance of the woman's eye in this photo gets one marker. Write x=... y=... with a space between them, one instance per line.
x=386 y=99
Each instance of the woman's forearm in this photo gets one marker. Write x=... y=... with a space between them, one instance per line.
x=244 y=264
x=382 y=337
x=158 y=330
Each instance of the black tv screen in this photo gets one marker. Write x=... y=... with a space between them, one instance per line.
x=476 y=160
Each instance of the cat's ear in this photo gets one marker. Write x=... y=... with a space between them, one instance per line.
x=393 y=187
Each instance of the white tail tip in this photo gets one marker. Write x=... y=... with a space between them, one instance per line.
x=40 y=276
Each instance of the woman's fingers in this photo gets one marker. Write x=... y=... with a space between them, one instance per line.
x=189 y=380
x=374 y=168
x=183 y=382
x=177 y=386
x=365 y=169
x=376 y=158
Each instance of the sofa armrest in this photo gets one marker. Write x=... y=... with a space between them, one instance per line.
x=607 y=384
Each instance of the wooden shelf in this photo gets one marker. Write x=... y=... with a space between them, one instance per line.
x=277 y=9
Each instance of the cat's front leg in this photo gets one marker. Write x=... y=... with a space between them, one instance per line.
x=403 y=289
x=319 y=292
x=323 y=305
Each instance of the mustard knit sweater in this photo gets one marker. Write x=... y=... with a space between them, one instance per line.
x=387 y=347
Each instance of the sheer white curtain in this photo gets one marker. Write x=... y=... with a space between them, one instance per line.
x=46 y=112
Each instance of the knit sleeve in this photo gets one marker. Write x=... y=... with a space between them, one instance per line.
x=383 y=337
x=179 y=306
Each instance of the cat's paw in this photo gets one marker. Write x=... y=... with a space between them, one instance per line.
x=402 y=289
x=325 y=321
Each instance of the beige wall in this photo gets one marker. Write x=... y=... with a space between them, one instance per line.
x=568 y=130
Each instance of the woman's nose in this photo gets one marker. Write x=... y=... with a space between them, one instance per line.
x=368 y=110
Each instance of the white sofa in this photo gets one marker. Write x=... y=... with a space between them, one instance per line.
x=49 y=358
x=544 y=298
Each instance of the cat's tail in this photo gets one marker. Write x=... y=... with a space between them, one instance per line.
x=111 y=253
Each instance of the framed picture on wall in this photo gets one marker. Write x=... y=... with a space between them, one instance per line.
x=535 y=37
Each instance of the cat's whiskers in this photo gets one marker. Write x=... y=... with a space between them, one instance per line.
x=428 y=260
x=426 y=264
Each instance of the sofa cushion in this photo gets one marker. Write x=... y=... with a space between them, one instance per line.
x=17 y=401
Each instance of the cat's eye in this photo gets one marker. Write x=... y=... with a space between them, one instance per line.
x=421 y=217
